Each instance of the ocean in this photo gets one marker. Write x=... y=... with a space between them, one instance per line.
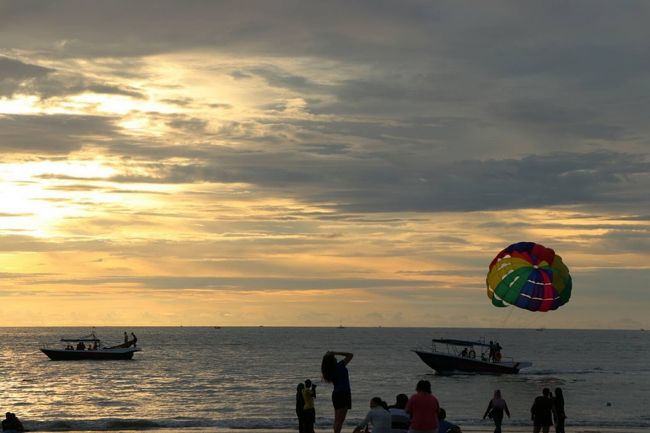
x=213 y=379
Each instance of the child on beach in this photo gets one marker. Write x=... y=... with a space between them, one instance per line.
x=336 y=373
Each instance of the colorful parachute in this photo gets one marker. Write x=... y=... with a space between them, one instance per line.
x=530 y=276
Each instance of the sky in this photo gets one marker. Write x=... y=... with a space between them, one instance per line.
x=299 y=163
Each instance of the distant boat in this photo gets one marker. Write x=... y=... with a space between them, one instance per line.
x=452 y=359
x=95 y=350
x=341 y=325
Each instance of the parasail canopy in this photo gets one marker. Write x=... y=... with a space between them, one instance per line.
x=530 y=276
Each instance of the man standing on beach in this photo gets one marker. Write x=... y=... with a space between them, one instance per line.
x=542 y=412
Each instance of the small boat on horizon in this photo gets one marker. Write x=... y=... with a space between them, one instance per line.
x=453 y=359
x=94 y=351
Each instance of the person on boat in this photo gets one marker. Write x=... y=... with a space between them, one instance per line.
x=134 y=340
x=126 y=337
x=541 y=412
x=558 y=410
x=309 y=411
x=497 y=351
x=496 y=407
x=399 y=419
x=378 y=416
x=300 y=407
x=472 y=353
x=464 y=352
x=11 y=424
x=81 y=346
x=491 y=355
x=445 y=426
x=336 y=373
x=423 y=408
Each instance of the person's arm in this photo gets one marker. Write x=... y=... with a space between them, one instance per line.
x=364 y=423
x=532 y=410
x=487 y=411
x=505 y=408
x=347 y=356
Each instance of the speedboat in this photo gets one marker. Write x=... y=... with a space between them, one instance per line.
x=89 y=347
x=449 y=356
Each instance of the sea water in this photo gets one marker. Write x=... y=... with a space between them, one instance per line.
x=245 y=378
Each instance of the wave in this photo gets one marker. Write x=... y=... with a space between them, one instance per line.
x=129 y=424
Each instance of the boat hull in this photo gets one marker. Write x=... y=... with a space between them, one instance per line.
x=448 y=364
x=81 y=355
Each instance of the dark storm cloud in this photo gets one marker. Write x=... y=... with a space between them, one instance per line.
x=52 y=134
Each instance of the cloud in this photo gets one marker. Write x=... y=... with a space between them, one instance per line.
x=412 y=184
x=52 y=134
x=14 y=74
x=29 y=79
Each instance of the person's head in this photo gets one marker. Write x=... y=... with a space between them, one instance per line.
x=308 y=383
x=401 y=400
x=377 y=401
x=423 y=386
x=301 y=386
x=442 y=414
x=497 y=393
x=546 y=392
x=8 y=415
x=328 y=367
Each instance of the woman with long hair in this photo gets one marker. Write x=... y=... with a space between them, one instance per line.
x=496 y=407
x=558 y=410
x=336 y=373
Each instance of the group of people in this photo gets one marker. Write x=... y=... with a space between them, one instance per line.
x=420 y=413
x=305 y=409
x=11 y=424
x=82 y=346
x=547 y=410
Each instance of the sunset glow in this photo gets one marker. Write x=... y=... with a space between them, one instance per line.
x=186 y=176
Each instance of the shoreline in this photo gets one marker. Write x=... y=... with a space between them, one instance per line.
x=468 y=429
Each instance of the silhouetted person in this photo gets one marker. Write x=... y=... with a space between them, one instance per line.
x=445 y=426
x=399 y=419
x=423 y=407
x=11 y=424
x=300 y=407
x=542 y=412
x=336 y=373
x=378 y=416
x=558 y=410
x=126 y=337
x=135 y=340
x=309 y=411
x=496 y=407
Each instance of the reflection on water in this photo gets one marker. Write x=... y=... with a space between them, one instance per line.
x=246 y=377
